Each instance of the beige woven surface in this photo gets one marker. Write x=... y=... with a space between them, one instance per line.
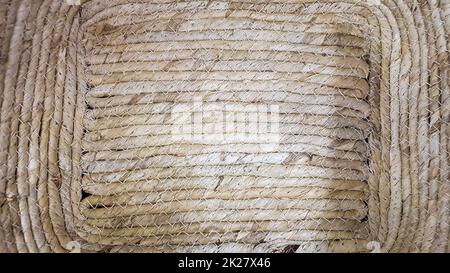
x=90 y=96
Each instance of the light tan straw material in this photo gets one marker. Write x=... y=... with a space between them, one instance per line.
x=224 y=126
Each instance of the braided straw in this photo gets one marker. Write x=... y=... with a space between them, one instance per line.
x=93 y=96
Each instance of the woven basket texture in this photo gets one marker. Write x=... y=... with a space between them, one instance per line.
x=224 y=126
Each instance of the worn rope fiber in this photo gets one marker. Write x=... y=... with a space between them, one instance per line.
x=91 y=94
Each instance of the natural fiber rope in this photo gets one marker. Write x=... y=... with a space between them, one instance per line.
x=87 y=94
x=234 y=201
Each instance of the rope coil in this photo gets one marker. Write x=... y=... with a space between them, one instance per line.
x=206 y=126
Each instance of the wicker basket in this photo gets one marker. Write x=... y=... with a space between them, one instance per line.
x=211 y=126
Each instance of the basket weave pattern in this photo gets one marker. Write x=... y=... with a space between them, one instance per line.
x=95 y=98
